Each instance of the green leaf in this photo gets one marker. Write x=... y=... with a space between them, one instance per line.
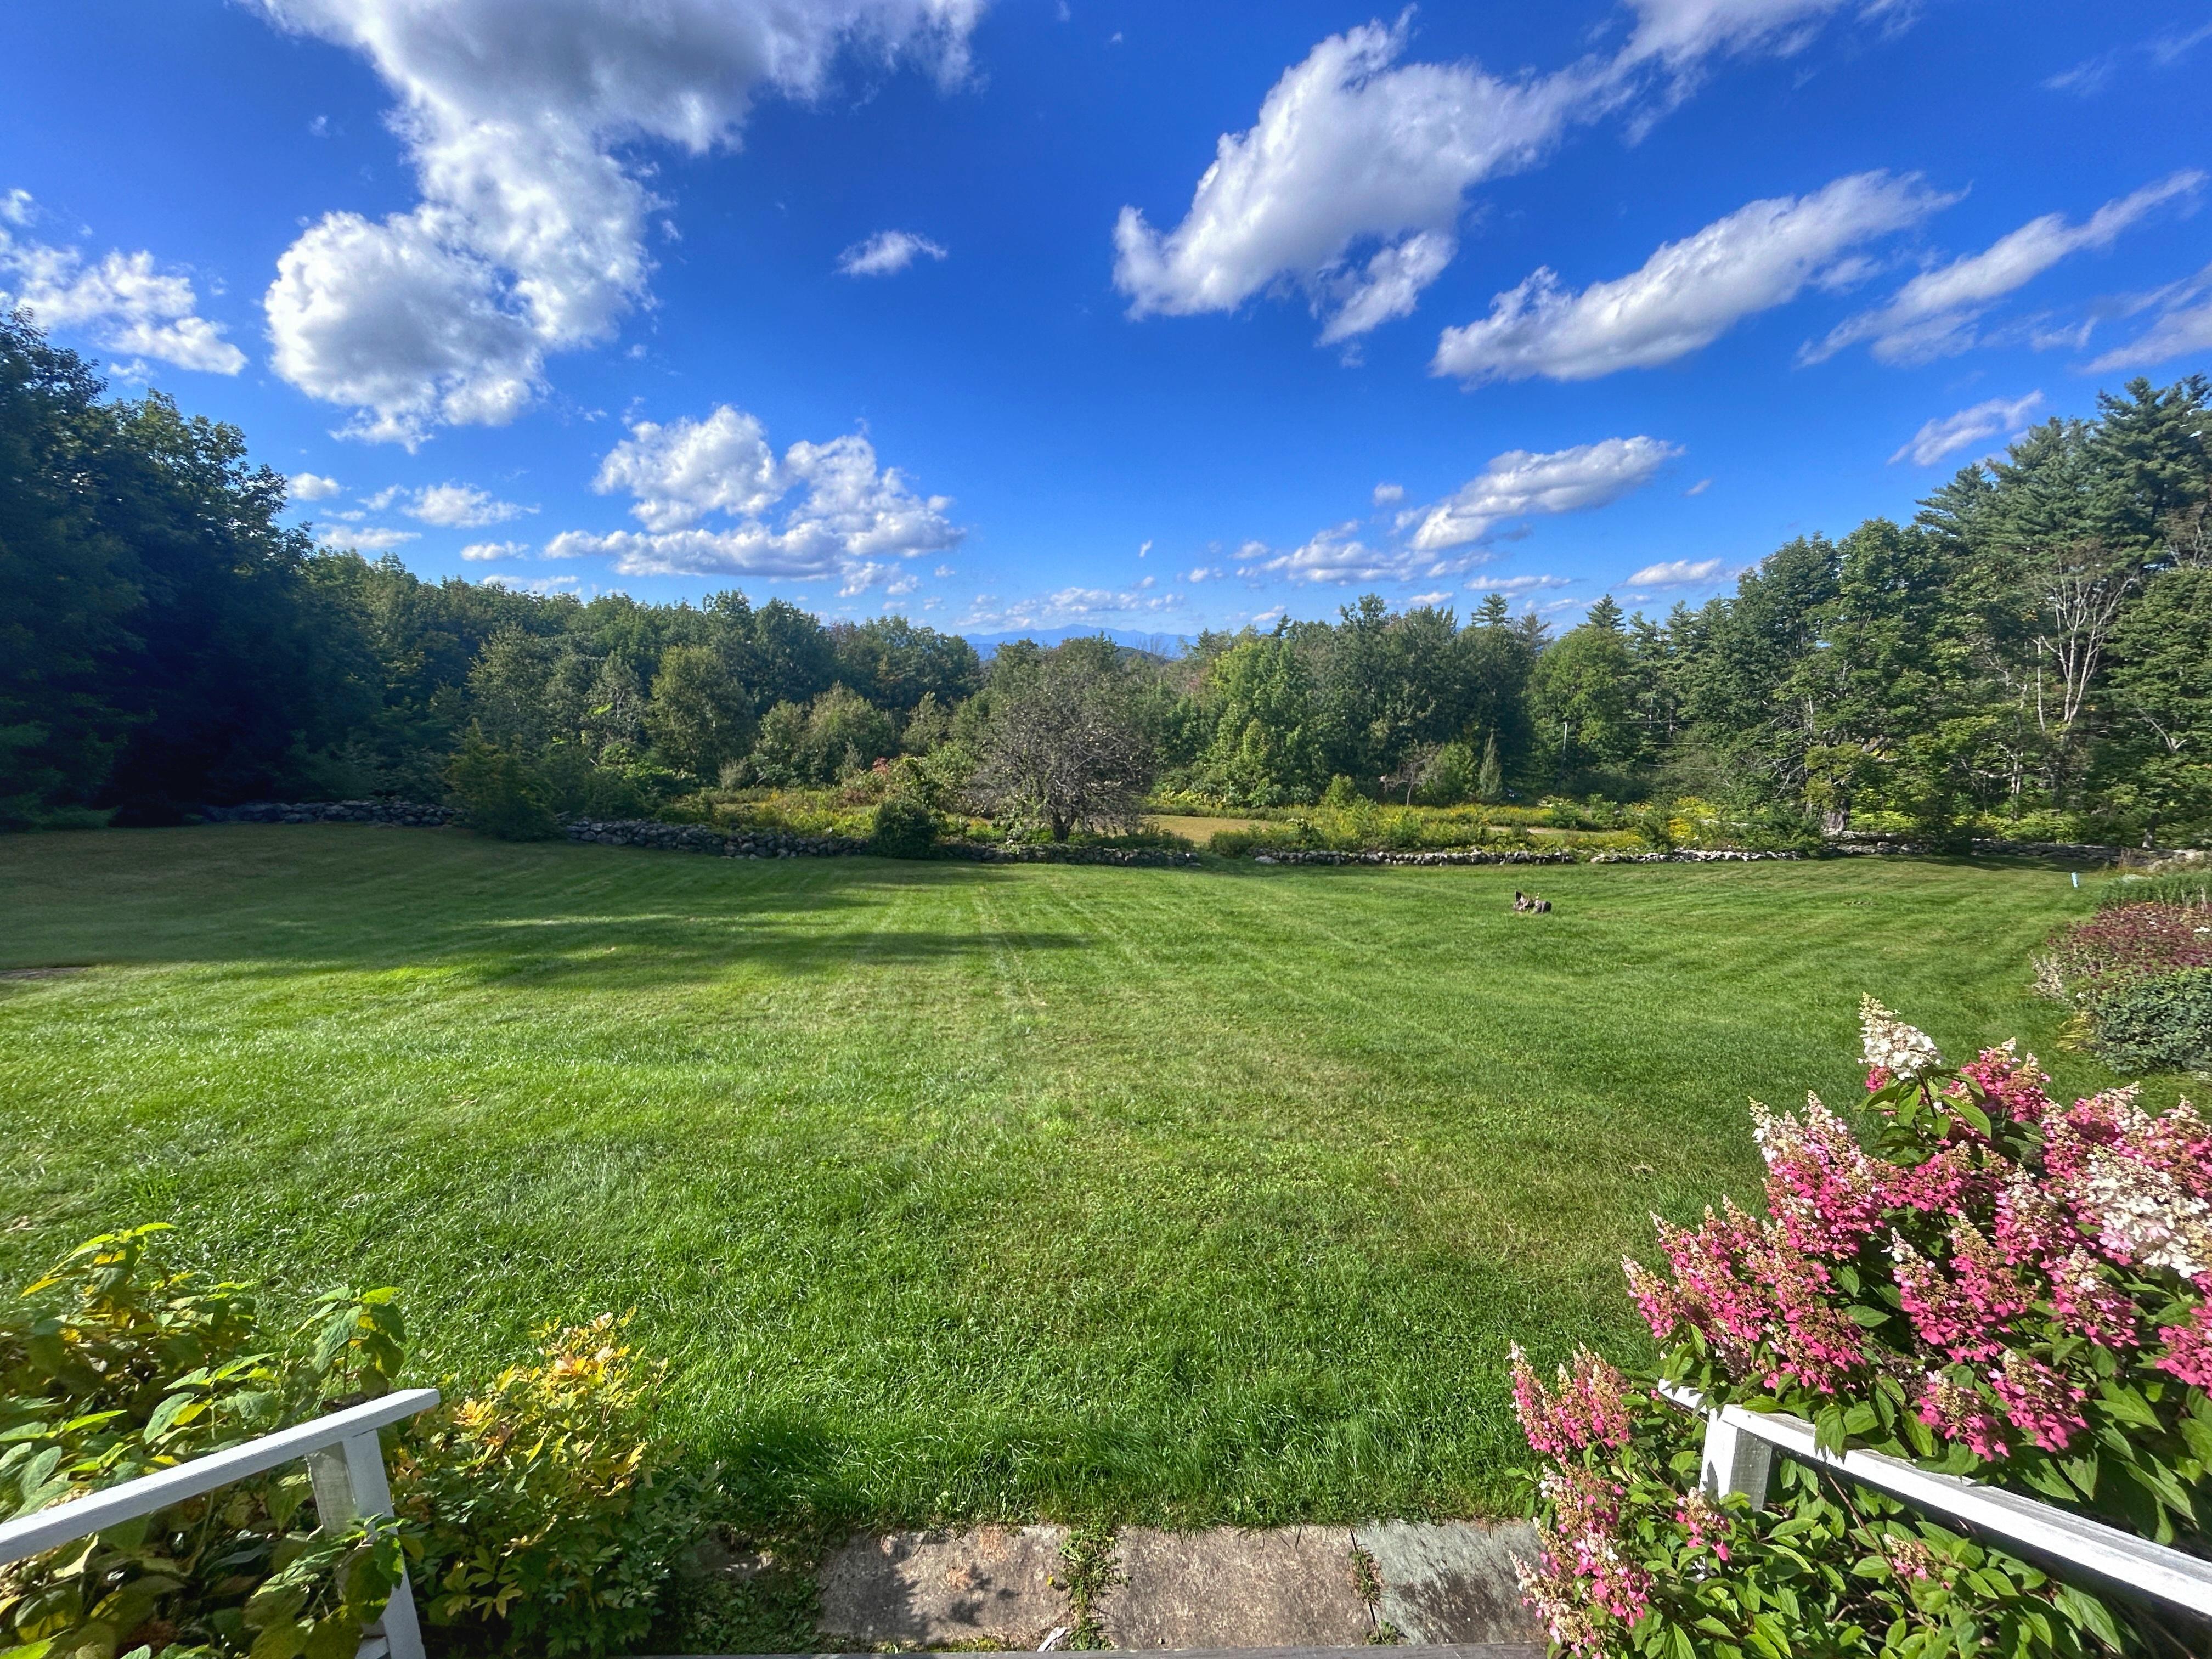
x=2127 y=1405
x=287 y=1639
x=169 y=1413
x=2089 y=1612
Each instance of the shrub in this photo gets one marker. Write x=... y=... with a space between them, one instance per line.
x=2153 y=1022
x=1999 y=1285
x=1654 y=826
x=502 y=796
x=533 y=1514
x=539 y=1519
x=904 y=829
x=2140 y=975
x=116 y=1364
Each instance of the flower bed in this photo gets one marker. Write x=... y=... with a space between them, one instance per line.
x=2140 y=976
x=1993 y=1284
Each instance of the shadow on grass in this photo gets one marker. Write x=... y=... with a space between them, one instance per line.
x=482 y=913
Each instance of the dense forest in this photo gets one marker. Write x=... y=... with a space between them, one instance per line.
x=2035 y=647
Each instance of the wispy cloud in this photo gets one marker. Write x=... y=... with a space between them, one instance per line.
x=1934 y=314
x=1678 y=573
x=885 y=253
x=1999 y=417
x=1689 y=293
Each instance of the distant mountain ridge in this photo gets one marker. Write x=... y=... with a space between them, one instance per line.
x=1159 y=645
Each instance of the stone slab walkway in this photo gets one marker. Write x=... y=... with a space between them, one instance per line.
x=1417 y=1584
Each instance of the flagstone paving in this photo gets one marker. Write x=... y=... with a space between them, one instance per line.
x=1424 y=1584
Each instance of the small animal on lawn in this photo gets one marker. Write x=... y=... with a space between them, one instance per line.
x=1530 y=902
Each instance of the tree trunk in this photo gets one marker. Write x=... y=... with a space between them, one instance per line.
x=1060 y=826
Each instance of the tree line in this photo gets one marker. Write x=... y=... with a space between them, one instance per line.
x=2038 y=641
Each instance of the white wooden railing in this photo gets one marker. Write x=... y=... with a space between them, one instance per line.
x=344 y=1461
x=1738 y=1457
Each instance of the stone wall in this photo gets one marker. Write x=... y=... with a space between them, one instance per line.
x=785 y=844
x=408 y=813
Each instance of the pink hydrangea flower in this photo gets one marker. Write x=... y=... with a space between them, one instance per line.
x=1655 y=1299
x=1588 y=1408
x=1705 y=1522
x=1957 y=1413
x=1957 y=1177
x=2143 y=1185
x=1821 y=1185
x=2041 y=1404
x=2012 y=1087
x=2088 y=1303
x=2189 y=1348
x=1962 y=1313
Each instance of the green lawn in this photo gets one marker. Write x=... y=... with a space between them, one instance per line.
x=957 y=1191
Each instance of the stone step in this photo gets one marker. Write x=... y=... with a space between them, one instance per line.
x=1426 y=1586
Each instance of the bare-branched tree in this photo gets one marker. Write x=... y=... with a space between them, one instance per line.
x=2081 y=586
x=1063 y=748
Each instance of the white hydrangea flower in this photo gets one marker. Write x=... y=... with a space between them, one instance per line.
x=1902 y=1050
x=2144 y=1215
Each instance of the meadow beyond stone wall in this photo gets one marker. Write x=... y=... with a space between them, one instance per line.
x=752 y=843
x=767 y=843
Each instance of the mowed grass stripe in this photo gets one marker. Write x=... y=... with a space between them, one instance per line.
x=955 y=1191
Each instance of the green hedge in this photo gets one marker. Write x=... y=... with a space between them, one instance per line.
x=2155 y=1021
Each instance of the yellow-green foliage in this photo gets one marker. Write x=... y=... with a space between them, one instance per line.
x=1366 y=826
x=532 y=1506
x=530 y=1512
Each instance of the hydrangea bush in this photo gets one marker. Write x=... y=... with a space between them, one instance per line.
x=1991 y=1283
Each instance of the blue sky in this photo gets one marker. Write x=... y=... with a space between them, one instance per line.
x=935 y=306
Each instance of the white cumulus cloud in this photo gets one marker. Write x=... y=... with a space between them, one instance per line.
x=851 y=517
x=1518 y=484
x=366 y=538
x=1934 y=314
x=1677 y=573
x=312 y=487
x=1351 y=146
x=1510 y=585
x=1337 y=555
x=523 y=119
x=483 y=552
x=682 y=471
x=124 y=302
x=886 y=253
x=1352 y=183
x=461 y=507
x=1688 y=293
x=1999 y=417
x=407 y=330
x=1522 y=484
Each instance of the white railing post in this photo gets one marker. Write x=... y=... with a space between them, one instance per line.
x=349 y=1484
x=1739 y=1450
x=1735 y=1462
